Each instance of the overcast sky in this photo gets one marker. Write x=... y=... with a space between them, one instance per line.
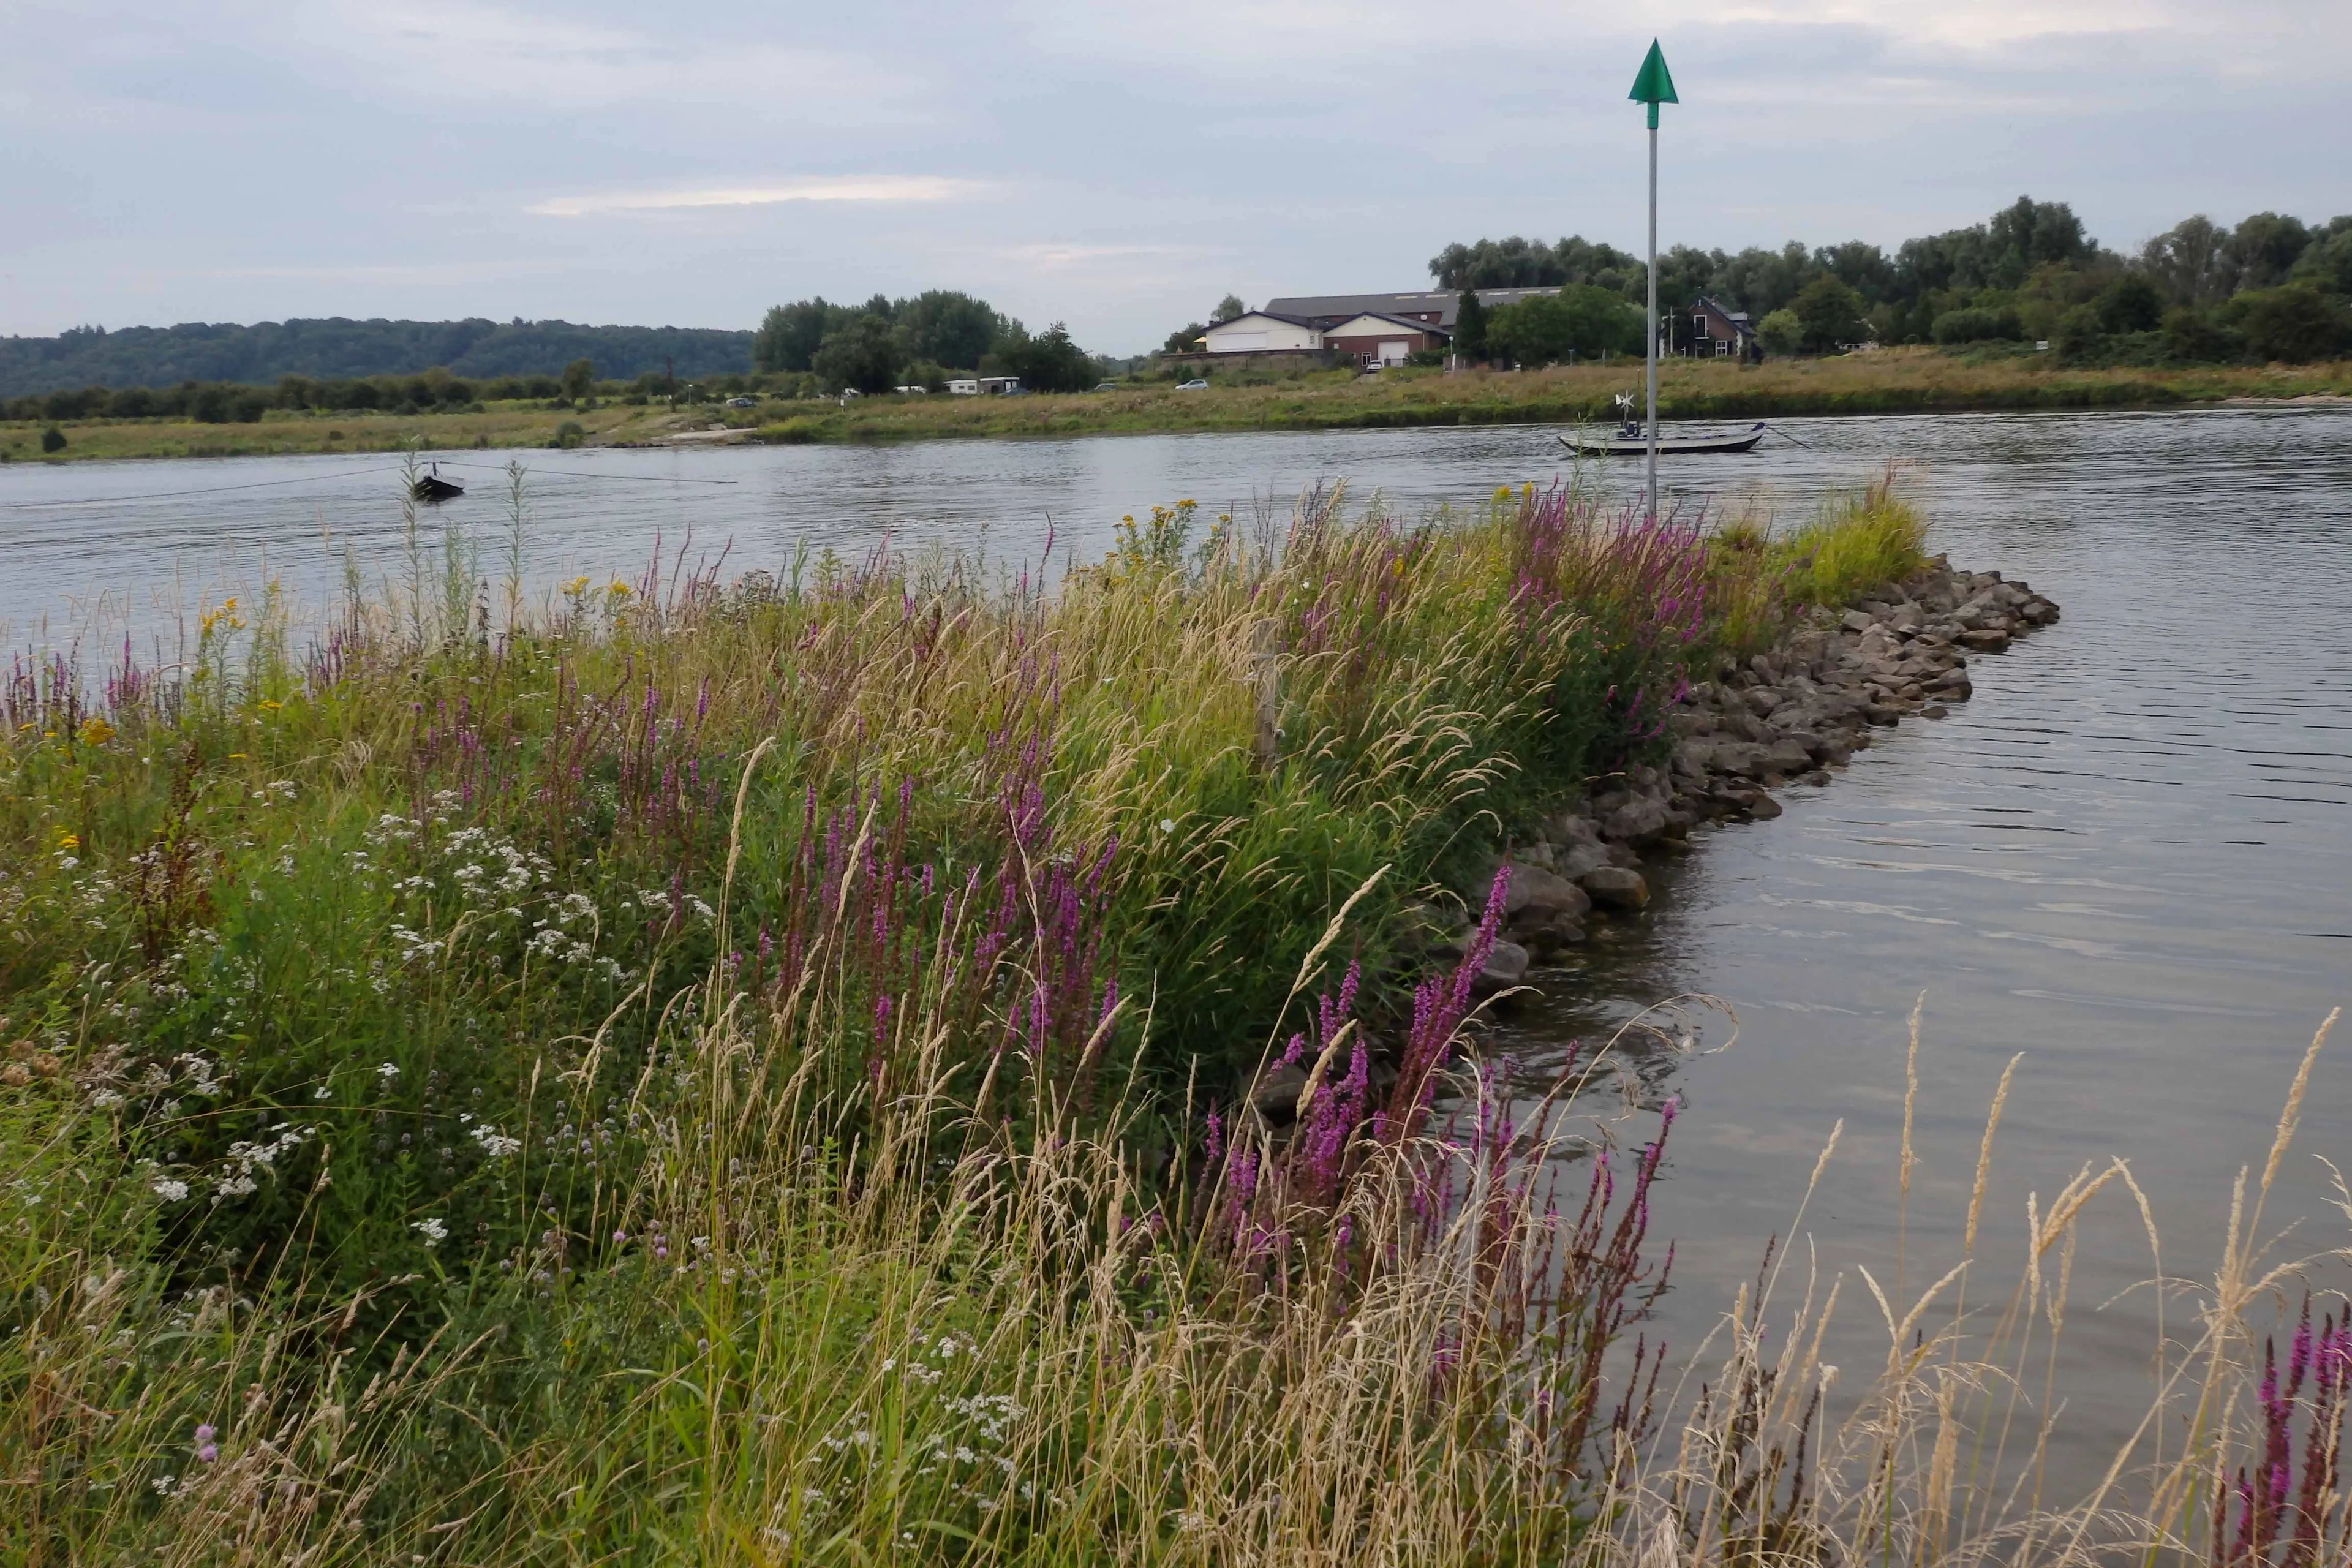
x=1117 y=165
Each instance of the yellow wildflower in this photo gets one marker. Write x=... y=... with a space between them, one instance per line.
x=96 y=732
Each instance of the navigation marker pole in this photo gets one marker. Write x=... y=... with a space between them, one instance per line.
x=1653 y=87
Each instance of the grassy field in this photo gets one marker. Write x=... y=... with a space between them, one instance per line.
x=1894 y=381
x=746 y=1074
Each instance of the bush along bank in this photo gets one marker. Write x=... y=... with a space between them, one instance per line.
x=1789 y=713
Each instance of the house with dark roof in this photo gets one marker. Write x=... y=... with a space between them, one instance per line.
x=1370 y=328
x=1376 y=338
x=1432 y=307
x=1719 y=330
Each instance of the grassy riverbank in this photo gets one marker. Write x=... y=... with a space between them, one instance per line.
x=1894 y=382
x=747 y=1073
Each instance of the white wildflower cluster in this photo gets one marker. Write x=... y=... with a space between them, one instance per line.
x=242 y=1169
x=492 y=878
x=496 y=1144
x=434 y=1231
x=968 y=1448
x=170 y=1189
x=415 y=946
x=567 y=934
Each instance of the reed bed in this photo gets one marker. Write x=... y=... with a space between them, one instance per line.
x=749 y=1073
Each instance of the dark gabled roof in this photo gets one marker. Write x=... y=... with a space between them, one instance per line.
x=1407 y=322
x=1269 y=315
x=1737 y=319
x=1322 y=310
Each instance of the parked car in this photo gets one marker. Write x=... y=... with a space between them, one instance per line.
x=741 y=402
x=1106 y=386
x=1192 y=387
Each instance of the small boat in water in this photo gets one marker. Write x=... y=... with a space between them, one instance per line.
x=1630 y=441
x=432 y=486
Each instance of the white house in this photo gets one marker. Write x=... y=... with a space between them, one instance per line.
x=1376 y=338
x=1262 y=332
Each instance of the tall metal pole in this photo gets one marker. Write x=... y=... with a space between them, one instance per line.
x=1653 y=506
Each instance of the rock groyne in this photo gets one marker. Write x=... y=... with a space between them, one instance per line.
x=1788 y=715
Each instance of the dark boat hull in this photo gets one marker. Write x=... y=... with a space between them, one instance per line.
x=1668 y=445
x=432 y=489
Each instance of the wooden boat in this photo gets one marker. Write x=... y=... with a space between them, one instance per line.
x=432 y=486
x=1630 y=441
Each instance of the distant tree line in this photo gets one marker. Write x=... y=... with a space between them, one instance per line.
x=884 y=343
x=2272 y=287
x=340 y=350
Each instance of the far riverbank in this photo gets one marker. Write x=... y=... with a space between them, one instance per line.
x=1901 y=381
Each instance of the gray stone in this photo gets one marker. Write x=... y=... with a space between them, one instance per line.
x=1536 y=896
x=1743 y=758
x=1639 y=818
x=1988 y=640
x=1853 y=620
x=1576 y=859
x=1506 y=967
x=1788 y=756
x=1615 y=888
x=1764 y=808
x=1551 y=936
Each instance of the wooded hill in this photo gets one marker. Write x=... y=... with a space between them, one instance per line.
x=341 y=349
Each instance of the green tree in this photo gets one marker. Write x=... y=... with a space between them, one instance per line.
x=1581 y=319
x=2192 y=333
x=1978 y=324
x=579 y=379
x=1521 y=263
x=1181 y=339
x=1229 y=308
x=1470 y=327
x=862 y=357
x=2132 y=303
x=2293 y=324
x=790 y=335
x=53 y=439
x=1780 y=332
x=2326 y=263
x=1830 y=313
x=947 y=327
x=2265 y=248
x=1049 y=362
x=2190 y=262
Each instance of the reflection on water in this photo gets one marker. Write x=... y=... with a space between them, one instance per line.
x=2127 y=858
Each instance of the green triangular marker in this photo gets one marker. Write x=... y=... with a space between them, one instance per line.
x=1655 y=84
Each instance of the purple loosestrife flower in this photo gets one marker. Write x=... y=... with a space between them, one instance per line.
x=208 y=1450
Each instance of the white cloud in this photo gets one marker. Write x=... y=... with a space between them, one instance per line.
x=842 y=188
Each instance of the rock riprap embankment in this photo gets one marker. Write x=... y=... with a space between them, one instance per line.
x=1789 y=715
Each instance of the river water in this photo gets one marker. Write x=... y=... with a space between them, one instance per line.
x=2129 y=857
